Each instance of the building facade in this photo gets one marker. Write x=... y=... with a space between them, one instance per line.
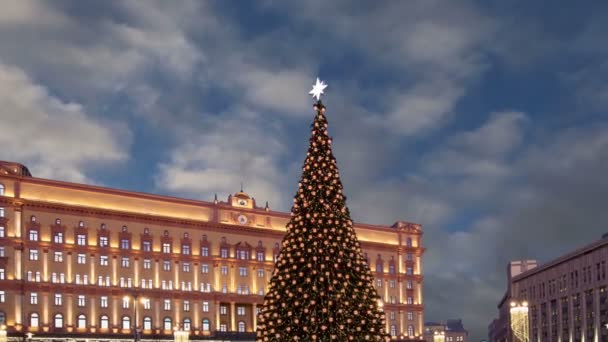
x=79 y=260
x=450 y=331
x=566 y=300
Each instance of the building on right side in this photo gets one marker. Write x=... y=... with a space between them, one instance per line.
x=564 y=300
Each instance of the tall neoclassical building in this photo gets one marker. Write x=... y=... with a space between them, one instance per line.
x=80 y=261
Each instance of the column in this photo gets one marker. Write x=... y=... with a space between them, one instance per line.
x=216 y=304
x=114 y=271
x=45 y=265
x=255 y=317
x=401 y=319
x=18 y=216
x=114 y=311
x=157 y=318
x=232 y=317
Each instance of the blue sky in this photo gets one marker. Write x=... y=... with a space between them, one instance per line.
x=484 y=121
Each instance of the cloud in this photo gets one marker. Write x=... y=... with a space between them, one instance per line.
x=56 y=139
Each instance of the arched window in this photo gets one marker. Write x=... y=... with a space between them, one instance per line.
x=410 y=330
x=58 y=321
x=2 y=314
x=82 y=322
x=147 y=323
x=187 y=324
x=1 y=189
x=167 y=324
x=104 y=322
x=241 y=326
x=206 y=325
x=408 y=242
x=126 y=322
x=34 y=320
x=393 y=330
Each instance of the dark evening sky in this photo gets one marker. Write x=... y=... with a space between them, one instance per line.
x=486 y=122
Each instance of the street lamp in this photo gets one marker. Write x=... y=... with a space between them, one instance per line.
x=137 y=331
x=29 y=336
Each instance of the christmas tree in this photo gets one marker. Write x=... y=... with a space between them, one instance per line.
x=321 y=288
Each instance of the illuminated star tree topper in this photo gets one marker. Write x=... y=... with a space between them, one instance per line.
x=317 y=89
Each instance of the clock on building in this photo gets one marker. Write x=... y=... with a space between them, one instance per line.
x=242 y=219
x=242 y=202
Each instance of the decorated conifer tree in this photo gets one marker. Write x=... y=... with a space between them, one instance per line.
x=322 y=287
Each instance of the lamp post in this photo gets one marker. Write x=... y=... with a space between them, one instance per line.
x=29 y=336
x=519 y=321
x=137 y=331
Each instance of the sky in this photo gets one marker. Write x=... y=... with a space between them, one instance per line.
x=484 y=121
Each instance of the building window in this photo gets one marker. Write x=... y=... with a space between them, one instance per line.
x=2 y=296
x=243 y=255
x=224 y=269
x=58 y=299
x=408 y=243
x=204 y=268
x=223 y=310
x=391 y=284
x=410 y=316
x=33 y=298
x=260 y=256
x=167 y=304
x=81 y=240
x=82 y=259
x=103 y=260
x=33 y=254
x=243 y=271
x=2 y=251
x=260 y=273
x=410 y=300
x=104 y=322
x=2 y=318
x=393 y=330
x=206 y=325
x=82 y=302
x=33 y=235
x=205 y=306
x=103 y=241
x=187 y=324
x=147 y=323
x=379 y=267
x=409 y=284
x=410 y=330
x=34 y=320
x=409 y=270
x=124 y=262
x=125 y=244
x=241 y=326
x=103 y=301
x=58 y=257
x=146 y=246
x=205 y=251
x=186 y=305
x=1 y=189
x=147 y=264
x=166 y=265
x=166 y=248
x=58 y=321
x=240 y=310
x=2 y=232
x=58 y=238
x=186 y=267
x=378 y=282
x=186 y=249
x=223 y=327
x=223 y=252
x=392 y=315
x=2 y=274
x=391 y=269
x=82 y=321
x=126 y=323
x=167 y=324
x=125 y=302
x=147 y=302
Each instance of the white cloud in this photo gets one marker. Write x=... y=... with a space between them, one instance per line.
x=55 y=139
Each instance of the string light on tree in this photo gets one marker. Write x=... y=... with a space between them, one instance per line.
x=321 y=288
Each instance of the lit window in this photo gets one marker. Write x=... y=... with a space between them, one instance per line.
x=2 y=296
x=392 y=315
x=166 y=265
x=187 y=324
x=147 y=323
x=126 y=323
x=408 y=243
x=223 y=310
x=125 y=302
x=224 y=252
x=1 y=212
x=260 y=273
x=147 y=264
x=124 y=262
x=393 y=330
x=58 y=238
x=205 y=268
x=33 y=235
x=125 y=244
x=205 y=306
x=33 y=298
x=82 y=259
x=186 y=267
x=33 y=254
x=58 y=299
x=224 y=269
x=391 y=283
x=186 y=249
x=82 y=321
x=204 y=251
x=1 y=189
x=146 y=246
x=409 y=284
x=82 y=301
x=167 y=324
x=104 y=322
x=58 y=321
x=379 y=282
x=104 y=241
x=58 y=257
x=147 y=303
x=409 y=257
x=103 y=260
x=81 y=239
x=186 y=305
x=410 y=330
x=34 y=320
x=243 y=255
x=166 y=248
x=167 y=304
x=409 y=271
x=391 y=268
x=2 y=232
x=103 y=301
x=410 y=300
x=206 y=325
x=2 y=251
x=223 y=327
x=241 y=326
x=240 y=310
x=243 y=271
